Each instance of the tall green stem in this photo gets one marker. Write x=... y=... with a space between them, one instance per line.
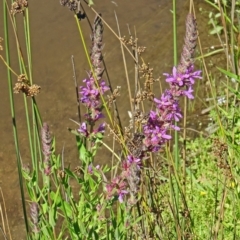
x=15 y=134
x=31 y=131
x=176 y=155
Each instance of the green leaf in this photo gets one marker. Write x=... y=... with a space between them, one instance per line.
x=217 y=29
x=229 y=74
x=30 y=190
x=52 y=216
x=56 y=197
x=53 y=209
x=73 y=175
x=99 y=136
x=68 y=209
x=44 y=207
x=81 y=149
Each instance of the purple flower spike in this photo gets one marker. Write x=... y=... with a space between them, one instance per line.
x=90 y=97
x=168 y=109
x=90 y=94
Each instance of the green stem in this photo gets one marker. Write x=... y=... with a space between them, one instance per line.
x=33 y=146
x=15 y=134
x=176 y=152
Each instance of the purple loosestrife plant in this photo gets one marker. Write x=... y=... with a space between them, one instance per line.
x=181 y=83
x=94 y=88
x=167 y=110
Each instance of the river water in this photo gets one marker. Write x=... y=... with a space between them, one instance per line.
x=54 y=38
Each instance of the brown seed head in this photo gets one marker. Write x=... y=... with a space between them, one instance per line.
x=96 y=51
x=189 y=46
x=19 y=6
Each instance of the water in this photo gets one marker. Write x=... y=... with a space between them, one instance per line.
x=54 y=38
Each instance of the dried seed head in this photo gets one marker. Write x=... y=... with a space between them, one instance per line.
x=96 y=51
x=46 y=146
x=71 y=4
x=115 y=94
x=133 y=178
x=26 y=169
x=33 y=90
x=19 y=6
x=46 y=140
x=135 y=145
x=147 y=73
x=34 y=212
x=141 y=50
x=23 y=85
x=64 y=2
x=189 y=46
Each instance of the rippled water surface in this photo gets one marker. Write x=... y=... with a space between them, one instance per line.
x=54 y=38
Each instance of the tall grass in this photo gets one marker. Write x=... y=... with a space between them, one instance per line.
x=151 y=190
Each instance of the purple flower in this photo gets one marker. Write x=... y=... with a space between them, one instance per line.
x=91 y=98
x=155 y=132
x=101 y=128
x=110 y=189
x=168 y=107
x=165 y=100
x=174 y=112
x=93 y=115
x=121 y=194
x=175 y=77
x=103 y=87
x=83 y=129
x=98 y=167
x=182 y=79
x=131 y=159
x=188 y=93
x=90 y=169
x=126 y=165
x=91 y=93
x=117 y=187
